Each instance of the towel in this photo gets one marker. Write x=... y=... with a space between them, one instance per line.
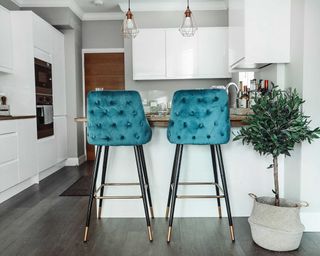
x=48 y=114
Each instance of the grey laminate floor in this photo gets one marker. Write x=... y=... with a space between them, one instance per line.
x=39 y=222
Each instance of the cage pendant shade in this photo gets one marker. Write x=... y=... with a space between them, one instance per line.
x=129 y=26
x=189 y=26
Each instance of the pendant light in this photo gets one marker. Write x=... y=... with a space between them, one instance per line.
x=129 y=27
x=189 y=26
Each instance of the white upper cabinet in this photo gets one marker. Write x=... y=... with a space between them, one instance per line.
x=259 y=32
x=58 y=74
x=166 y=54
x=182 y=55
x=148 y=60
x=213 y=52
x=42 y=34
x=6 y=59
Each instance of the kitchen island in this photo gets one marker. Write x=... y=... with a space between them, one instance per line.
x=245 y=170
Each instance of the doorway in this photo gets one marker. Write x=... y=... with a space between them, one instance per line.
x=102 y=70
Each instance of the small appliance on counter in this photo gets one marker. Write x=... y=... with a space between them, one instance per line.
x=4 y=108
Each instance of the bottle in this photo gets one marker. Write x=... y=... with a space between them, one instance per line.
x=244 y=99
x=239 y=95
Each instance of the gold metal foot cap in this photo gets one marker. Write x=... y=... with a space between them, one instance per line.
x=169 y=235
x=150 y=234
x=85 y=239
x=232 y=233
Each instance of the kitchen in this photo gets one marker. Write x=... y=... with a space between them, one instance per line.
x=75 y=47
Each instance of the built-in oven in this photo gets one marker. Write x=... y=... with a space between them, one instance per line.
x=43 y=76
x=44 y=100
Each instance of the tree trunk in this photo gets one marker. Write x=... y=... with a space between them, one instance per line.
x=276 y=181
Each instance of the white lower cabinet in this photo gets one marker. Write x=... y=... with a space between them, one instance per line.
x=27 y=137
x=9 y=174
x=60 y=130
x=47 y=153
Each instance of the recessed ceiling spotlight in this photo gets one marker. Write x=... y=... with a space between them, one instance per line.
x=97 y=2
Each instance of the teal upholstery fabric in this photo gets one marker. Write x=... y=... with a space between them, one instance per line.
x=199 y=117
x=116 y=118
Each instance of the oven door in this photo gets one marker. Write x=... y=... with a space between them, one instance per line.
x=44 y=121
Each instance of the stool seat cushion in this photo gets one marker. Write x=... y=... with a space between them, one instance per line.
x=199 y=117
x=116 y=118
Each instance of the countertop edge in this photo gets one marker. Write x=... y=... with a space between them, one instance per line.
x=8 y=118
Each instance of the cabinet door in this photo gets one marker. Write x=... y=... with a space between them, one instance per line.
x=6 y=63
x=58 y=74
x=42 y=33
x=60 y=129
x=236 y=31
x=148 y=54
x=213 y=53
x=181 y=55
x=46 y=153
x=27 y=138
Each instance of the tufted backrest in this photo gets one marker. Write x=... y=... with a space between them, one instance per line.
x=116 y=118
x=199 y=117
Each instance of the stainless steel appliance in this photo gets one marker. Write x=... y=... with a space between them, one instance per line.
x=44 y=101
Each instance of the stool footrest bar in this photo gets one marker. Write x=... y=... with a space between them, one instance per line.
x=118 y=197
x=198 y=196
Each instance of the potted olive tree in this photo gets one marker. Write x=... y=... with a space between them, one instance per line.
x=276 y=125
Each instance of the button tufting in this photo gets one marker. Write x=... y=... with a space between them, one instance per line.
x=177 y=113
x=215 y=99
x=121 y=137
x=193 y=137
x=208 y=111
x=92 y=111
x=114 y=125
x=222 y=109
x=97 y=102
x=111 y=103
x=105 y=112
x=171 y=123
x=107 y=138
x=121 y=112
x=185 y=124
x=129 y=102
x=215 y=123
x=200 y=100
x=134 y=112
x=208 y=136
x=183 y=100
x=179 y=137
x=99 y=125
x=137 y=136
x=191 y=113
x=222 y=134
x=201 y=125
x=129 y=124
x=141 y=123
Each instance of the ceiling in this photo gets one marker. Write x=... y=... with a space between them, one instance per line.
x=113 y=9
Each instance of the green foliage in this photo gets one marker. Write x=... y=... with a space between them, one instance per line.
x=277 y=124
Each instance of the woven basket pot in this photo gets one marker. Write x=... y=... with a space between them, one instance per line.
x=276 y=228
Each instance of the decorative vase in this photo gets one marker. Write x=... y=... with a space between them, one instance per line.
x=276 y=228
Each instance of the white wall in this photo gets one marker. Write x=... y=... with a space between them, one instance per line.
x=310 y=164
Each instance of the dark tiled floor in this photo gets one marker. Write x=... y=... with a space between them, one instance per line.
x=39 y=222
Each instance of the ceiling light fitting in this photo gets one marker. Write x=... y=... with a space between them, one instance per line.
x=189 y=26
x=129 y=27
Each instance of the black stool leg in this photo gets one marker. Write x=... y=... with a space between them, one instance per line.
x=103 y=177
x=216 y=179
x=174 y=190
x=145 y=175
x=171 y=181
x=143 y=191
x=225 y=189
x=93 y=185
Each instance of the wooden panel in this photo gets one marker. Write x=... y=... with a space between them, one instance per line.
x=103 y=70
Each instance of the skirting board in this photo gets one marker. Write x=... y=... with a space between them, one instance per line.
x=5 y=195
x=76 y=161
x=311 y=221
x=44 y=174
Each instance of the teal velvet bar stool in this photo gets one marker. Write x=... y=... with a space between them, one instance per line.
x=117 y=118
x=199 y=117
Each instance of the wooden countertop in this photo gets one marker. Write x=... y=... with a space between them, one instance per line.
x=4 y=118
x=162 y=121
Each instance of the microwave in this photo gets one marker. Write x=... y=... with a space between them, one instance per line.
x=43 y=76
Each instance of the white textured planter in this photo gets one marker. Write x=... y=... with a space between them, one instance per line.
x=276 y=228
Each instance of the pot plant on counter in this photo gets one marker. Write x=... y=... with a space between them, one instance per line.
x=276 y=125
